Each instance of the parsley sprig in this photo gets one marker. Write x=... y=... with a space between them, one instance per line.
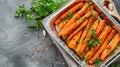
x=94 y=41
x=39 y=9
x=97 y=62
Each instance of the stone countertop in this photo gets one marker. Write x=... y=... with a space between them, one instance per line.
x=22 y=47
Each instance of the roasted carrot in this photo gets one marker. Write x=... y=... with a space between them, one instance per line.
x=71 y=27
x=110 y=47
x=102 y=37
x=77 y=30
x=74 y=18
x=100 y=27
x=75 y=40
x=85 y=44
x=85 y=32
x=61 y=25
x=72 y=10
x=92 y=60
x=97 y=9
x=98 y=30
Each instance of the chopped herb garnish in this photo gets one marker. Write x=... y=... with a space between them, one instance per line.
x=97 y=62
x=39 y=9
x=89 y=4
x=88 y=29
x=70 y=15
x=93 y=15
x=77 y=42
x=90 y=46
x=94 y=41
x=83 y=18
x=65 y=38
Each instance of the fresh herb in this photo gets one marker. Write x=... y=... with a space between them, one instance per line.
x=21 y=10
x=83 y=18
x=90 y=46
x=39 y=9
x=77 y=42
x=93 y=15
x=69 y=15
x=65 y=38
x=113 y=65
x=97 y=62
x=89 y=4
x=116 y=65
x=94 y=41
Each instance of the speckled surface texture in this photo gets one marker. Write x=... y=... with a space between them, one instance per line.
x=22 y=47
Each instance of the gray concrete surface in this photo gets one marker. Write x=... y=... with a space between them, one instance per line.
x=18 y=44
x=22 y=47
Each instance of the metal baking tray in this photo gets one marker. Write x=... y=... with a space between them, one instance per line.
x=50 y=27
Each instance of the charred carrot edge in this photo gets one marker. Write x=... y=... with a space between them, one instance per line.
x=73 y=43
x=72 y=10
x=102 y=37
x=85 y=44
x=75 y=17
x=71 y=27
x=110 y=47
x=77 y=30
x=100 y=27
x=85 y=32
x=92 y=60
x=97 y=8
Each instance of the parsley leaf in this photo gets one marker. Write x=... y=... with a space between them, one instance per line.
x=94 y=40
x=39 y=10
x=77 y=42
x=97 y=62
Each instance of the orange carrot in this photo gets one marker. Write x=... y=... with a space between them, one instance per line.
x=110 y=47
x=61 y=25
x=85 y=44
x=75 y=17
x=74 y=42
x=71 y=27
x=97 y=8
x=85 y=32
x=100 y=27
x=72 y=10
x=102 y=37
x=77 y=30
x=98 y=30
x=92 y=60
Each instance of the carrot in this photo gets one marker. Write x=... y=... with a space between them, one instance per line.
x=73 y=43
x=71 y=27
x=92 y=60
x=110 y=47
x=77 y=30
x=61 y=25
x=74 y=18
x=85 y=44
x=102 y=37
x=97 y=9
x=72 y=10
x=98 y=30
x=100 y=27
x=85 y=32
